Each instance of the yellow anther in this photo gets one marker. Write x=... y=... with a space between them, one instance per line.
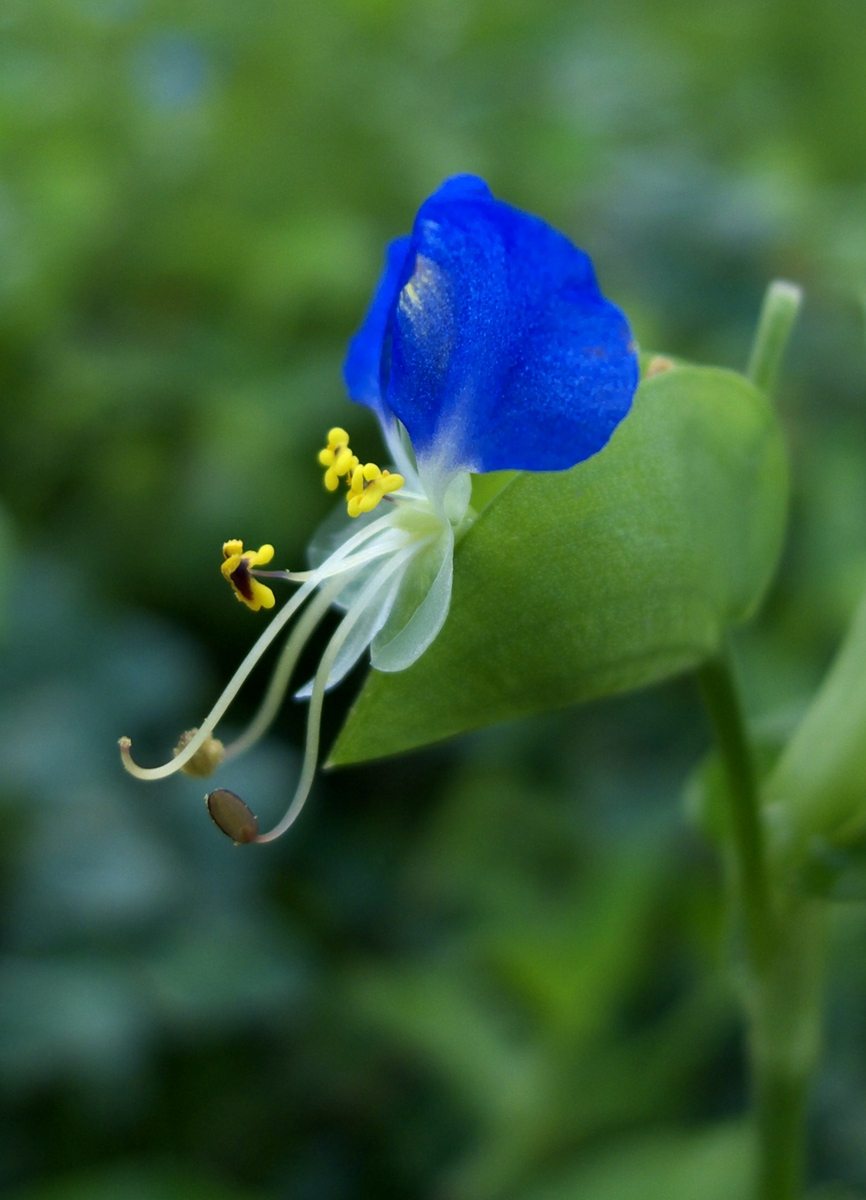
x=236 y=569
x=337 y=457
x=379 y=483
x=356 y=484
x=367 y=482
x=344 y=461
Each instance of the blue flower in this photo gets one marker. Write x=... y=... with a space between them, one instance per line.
x=489 y=340
x=488 y=346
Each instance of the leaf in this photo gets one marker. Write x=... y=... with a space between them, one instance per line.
x=717 y=1164
x=818 y=788
x=613 y=575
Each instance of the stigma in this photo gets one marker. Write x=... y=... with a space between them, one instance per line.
x=368 y=483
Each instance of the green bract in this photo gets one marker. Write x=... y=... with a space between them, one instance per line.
x=818 y=788
x=621 y=572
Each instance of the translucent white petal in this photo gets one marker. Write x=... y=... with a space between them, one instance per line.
x=457 y=497
x=375 y=612
x=382 y=537
x=394 y=566
x=421 y=606
x=338 y=528
x=400 y=449
x=404 y=617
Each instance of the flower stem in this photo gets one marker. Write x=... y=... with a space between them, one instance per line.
x=785 y=1012
x=781 y=1113
x=747 y=833
x=782 y=958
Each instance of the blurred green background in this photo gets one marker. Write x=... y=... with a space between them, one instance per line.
x=495 y=970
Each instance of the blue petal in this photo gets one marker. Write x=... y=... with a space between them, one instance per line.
x=362 y=369
x=497 y=349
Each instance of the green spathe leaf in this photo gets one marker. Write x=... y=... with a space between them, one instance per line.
x=618 y=573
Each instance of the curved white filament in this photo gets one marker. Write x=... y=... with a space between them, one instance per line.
x=314 y=715
x=383 y=545
x=241 y=675
x=282 y=675
x=368 y=627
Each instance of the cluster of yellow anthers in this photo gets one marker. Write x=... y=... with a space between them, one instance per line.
x=237 y=569
x=368 y=484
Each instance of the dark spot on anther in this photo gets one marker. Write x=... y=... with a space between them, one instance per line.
x=240 y=577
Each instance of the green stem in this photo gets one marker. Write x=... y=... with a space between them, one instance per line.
x=780 y=1111
x=747 y=832
x=782 y=946
x=785 y=1014
x=778 y=314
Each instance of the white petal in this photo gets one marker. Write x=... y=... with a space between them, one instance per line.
x=335 y=532
x=414 y=624
x=375 y=613
x=457 y=497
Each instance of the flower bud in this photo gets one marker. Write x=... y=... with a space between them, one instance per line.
x=205 y=760
x=232 y=816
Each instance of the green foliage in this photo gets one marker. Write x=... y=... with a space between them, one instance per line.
x=519 y=1008
x=819 y=785
x=134 y=1183
x=619 y=573
x=715 y=1165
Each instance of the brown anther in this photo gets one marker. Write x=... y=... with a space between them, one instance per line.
x=231 y=816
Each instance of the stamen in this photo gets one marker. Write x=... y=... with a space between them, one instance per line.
x=314 y=714
x=337 y=457
x=219 y=709
x=231 y=816
x=369 y=486
x=380 y=550
x=206 y=759
x=282 y=675
x=328 y=569
x=238 y=570
x=368 y=483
